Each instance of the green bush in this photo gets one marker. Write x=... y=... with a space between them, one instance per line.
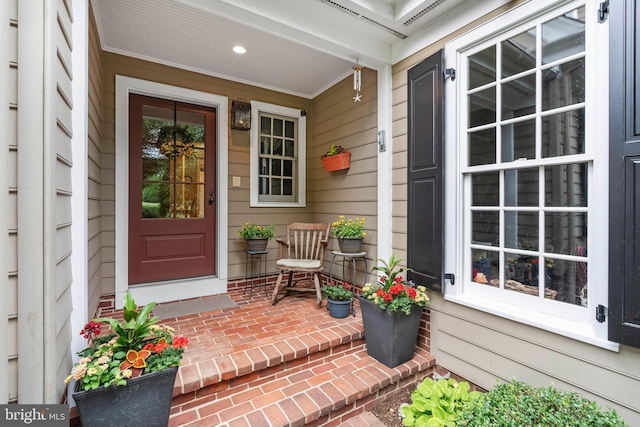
x=150 y=210
x=520 y=404
x=437 y=403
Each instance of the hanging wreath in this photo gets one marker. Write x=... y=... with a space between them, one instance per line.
x=176 y=141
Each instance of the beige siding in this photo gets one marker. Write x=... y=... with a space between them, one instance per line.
x=339 y=120
x=8 y=199
x=238 y=151
x=481 y=347
x=95 y=252
x=59 y=324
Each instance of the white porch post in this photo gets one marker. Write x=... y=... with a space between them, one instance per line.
x=384 y=164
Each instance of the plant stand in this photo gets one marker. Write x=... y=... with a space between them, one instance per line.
x=391 y=337
x=143 y=401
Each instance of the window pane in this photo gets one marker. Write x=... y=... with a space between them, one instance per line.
x=265 y=125
x=519 y=97
x=289 y=148
x=276 y=187
x=189 y=201
x=566 y=185
x=521 y=187
x=155 y=199
x=563 y=85
x=482 y=147
x=189 y=169
x=484 y=268
x=521 y=230
x=264 y=166
x=277 y=146
x=563 y=134
x=523 y=270
x=485 y=189
x=289 y=129
x=264 y=185
x=563 y=36
x=519 y=141
x=288 y=168
x=278 y=127
x=265 y=145
x=519 y=53
x=485 y=228
x=566 y=233
x=569 y=281
x=287 y=187
x=276 y=167
x=155 y=169
x=482 y=68
x=482 y=107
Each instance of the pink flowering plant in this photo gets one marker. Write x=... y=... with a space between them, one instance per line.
x=337 y=291
x=392 y=291
x=138 y=346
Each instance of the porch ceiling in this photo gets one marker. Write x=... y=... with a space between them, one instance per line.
x=300 y=47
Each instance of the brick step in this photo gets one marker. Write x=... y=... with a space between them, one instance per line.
x=328 y=389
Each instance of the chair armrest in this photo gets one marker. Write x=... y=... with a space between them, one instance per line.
x=282 y=246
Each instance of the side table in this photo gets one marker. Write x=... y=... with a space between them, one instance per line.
x=352 y=258
x=250 y=278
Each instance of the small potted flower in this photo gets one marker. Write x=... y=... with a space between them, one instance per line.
x=388 y=306
x=337 y=158
x=257 y=236
x=350 y=234
x=339 y=298
x=127 y=377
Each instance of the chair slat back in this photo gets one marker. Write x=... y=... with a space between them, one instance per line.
x=307 y=240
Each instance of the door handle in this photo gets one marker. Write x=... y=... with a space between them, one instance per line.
x=211 y=201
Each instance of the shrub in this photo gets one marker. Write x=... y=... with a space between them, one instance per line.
x=437 y=403
x=520 y=404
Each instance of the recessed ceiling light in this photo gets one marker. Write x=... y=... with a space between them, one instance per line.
x=239 y=49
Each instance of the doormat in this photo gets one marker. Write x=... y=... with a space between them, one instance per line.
x=192 y=306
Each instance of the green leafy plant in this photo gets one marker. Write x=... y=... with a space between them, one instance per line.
x=138 y=346
x=392 y=292
x=348 y=228
x=437 y=403
x=252 y=231
x=337 y=291
x=520 y=404
x=335 y=149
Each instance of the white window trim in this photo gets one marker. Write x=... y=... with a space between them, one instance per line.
x=588 y=330
x=174 y=289
x=256 y=108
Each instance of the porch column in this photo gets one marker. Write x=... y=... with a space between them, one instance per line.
x=384 y=163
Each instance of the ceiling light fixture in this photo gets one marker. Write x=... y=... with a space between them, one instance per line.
x=239 y=49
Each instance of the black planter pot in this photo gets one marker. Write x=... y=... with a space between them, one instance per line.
x=143 y=401
x=390 y=336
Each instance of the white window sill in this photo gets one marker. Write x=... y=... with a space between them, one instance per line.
x=567 y=328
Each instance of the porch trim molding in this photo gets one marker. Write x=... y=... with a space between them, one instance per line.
x=175 y=289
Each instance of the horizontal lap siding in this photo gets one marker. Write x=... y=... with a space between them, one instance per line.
x=481 y=347
x=8 y=199
x=238 y=153
x=62 y=75
x=353 y=125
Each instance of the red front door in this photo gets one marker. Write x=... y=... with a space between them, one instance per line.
x=172 y=190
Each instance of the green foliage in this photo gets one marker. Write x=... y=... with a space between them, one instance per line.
x=437 y=403
x=348 y=228
x=337 y=291
x=335 y=149
x=150 y=210
x=520 y=404
x=136 y=325
x=252 y=231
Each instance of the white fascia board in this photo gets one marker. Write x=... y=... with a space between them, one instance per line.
x=380 y=8
x=458 y=17
x=290 y=21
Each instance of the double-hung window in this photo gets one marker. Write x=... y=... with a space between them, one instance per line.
x=526 y=161
x=278 y=151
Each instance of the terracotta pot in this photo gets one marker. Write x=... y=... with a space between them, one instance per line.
x=337 y=162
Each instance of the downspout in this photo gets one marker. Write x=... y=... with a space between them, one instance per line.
x=385 y=192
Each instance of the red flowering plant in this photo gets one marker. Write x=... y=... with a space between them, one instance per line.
x=337 y=291
x=138 y=346
x=392 y=291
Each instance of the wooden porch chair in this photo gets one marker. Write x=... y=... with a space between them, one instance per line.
x=303 y=252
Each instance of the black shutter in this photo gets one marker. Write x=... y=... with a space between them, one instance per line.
x=624 y=191
x=425 y=181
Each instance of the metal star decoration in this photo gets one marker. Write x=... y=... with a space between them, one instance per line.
x=357 y=98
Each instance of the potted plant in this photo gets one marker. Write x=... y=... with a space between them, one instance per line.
x=127 y=377
x=257 y=236
x=391 y=312
x=337 y=158
x=339 y=298
x=350 y=234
